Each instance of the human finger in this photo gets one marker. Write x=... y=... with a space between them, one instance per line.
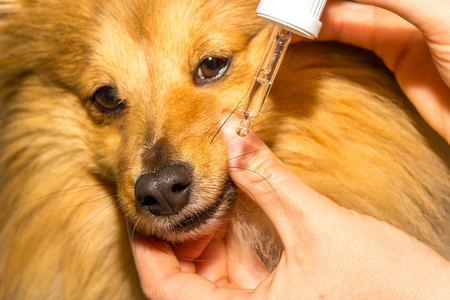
x=423 y=78
x=390 y=29
x=192 y=249
x=161 y=277
x=289 y=203
x=367 y=27
x=431 y=17
x=212 y=263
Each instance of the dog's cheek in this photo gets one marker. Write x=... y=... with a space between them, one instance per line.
x=105 y=143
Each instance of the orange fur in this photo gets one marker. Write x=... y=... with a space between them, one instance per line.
x=335 y=116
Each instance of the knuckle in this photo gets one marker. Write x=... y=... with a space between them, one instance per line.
x=265 y=175
x=265 y=169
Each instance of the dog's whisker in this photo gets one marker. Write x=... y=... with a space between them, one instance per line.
x=239 y=169
x=132 y=236
x=263 y=149
x=252 y=126
x=226 y=120
x=248 y=190
x=212 y=127
x=238 y=199
x=248 y=153
x=120 y=170
x=85 y=202
x=82 y=227
x=123 y=218
x=102 y=222
x=243 y=213
x=66 y=192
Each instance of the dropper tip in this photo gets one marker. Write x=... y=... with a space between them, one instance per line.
x=242 y=132
x=244 y=127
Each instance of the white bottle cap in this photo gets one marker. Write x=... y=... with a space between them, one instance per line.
x=299 y=16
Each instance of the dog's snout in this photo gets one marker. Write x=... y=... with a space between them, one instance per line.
x=164 y=192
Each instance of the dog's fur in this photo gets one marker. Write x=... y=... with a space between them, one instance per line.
x=335 y=116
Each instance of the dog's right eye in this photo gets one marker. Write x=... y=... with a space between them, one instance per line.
x=211 y=69
x=107 y=101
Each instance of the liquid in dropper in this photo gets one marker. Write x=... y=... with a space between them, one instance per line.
x=259 y=89
x=262 y=82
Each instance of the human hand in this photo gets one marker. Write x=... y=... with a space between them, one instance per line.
x=416 y=50
x=329 y=251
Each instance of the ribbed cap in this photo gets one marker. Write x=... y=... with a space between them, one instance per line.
x=299 y=16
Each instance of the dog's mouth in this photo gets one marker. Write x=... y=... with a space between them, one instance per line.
x=202 y=217
x=191 y=222
x=198 y=218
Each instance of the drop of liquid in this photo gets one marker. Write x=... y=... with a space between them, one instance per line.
x=244 y=127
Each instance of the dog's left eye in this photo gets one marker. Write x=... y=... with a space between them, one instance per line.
x=107 y=101
x=211 y=69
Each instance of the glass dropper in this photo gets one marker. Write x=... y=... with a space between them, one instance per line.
x=301 y=17
x=262 y=82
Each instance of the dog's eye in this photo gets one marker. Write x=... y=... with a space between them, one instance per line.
x=211 y=69
x=107 y=100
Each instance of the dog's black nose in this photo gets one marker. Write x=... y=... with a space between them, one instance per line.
x=164 y=192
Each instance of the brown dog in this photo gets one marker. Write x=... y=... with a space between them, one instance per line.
x=110 y=111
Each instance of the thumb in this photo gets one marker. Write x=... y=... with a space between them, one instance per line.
x=429 y=17
x=284 y=198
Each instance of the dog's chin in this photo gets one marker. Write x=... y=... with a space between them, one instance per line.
x=191 y=223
